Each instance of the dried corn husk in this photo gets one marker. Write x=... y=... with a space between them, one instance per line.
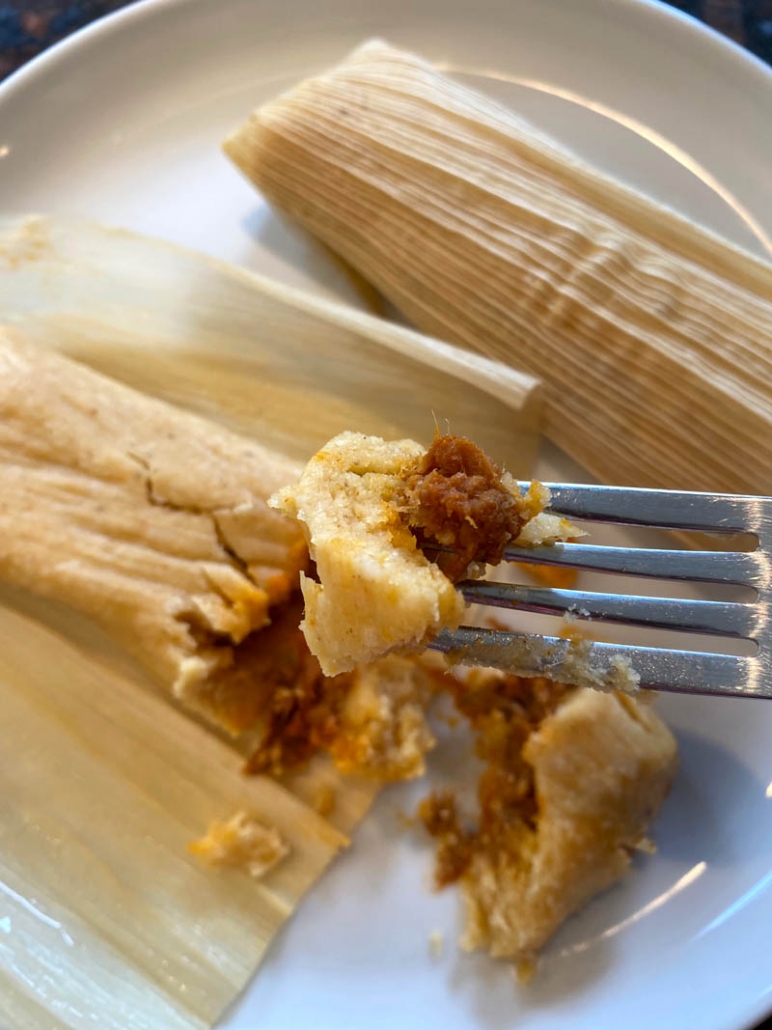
x=653 y=337
x=105 y=918
x=275 y=363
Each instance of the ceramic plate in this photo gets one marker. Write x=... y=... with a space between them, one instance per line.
x=123 y=123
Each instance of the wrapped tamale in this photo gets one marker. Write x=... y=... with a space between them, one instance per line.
x=653 y=337
x=281 y=365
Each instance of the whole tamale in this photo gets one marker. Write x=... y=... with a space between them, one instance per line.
x=653 y=337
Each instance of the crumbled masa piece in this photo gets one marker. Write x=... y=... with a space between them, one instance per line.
x=371 y=721
x=572 y=781
x=383 y=727
x=241 y=842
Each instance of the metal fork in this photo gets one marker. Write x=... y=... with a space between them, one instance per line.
x=691 y=672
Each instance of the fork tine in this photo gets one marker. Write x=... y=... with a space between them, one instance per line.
x=667 y=509
x=721 y=618
x=751 y=567
x=689 y=672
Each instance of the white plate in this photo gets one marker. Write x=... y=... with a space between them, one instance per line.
x=123 y=122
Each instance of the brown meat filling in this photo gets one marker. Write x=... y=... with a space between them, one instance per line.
x=300 y=706
x=456 y=499
x=503 y=712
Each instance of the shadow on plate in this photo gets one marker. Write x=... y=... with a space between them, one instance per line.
x=296 y=248
x=496 y=995
x=713 y=792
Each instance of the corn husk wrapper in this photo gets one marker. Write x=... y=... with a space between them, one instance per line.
x=653 y=337
x=272 y=362
x=105 y=918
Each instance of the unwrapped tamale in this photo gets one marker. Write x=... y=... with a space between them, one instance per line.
x=151 y=521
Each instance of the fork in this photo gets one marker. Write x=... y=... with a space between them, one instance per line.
x=682 y=671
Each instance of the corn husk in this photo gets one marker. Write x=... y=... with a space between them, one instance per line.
x=106 y=919
x=275 y=363
x=653 y=337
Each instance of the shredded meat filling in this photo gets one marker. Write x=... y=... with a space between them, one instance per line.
x=502 y=712
x=302 y=706
x=458 y=499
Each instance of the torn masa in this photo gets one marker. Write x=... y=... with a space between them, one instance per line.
x=151 y=521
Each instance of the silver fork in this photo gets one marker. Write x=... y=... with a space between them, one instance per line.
x=691 y=672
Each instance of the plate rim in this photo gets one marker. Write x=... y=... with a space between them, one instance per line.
x=690 y=26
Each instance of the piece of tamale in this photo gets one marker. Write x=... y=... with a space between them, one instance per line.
x=151 y=521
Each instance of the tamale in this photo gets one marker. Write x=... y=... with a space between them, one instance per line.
x=153 y=523
x=653 y=337
x=241 y=842
x=150 y=520
x=106 y=784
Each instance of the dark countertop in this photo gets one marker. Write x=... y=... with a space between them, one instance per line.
x=29 y=26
